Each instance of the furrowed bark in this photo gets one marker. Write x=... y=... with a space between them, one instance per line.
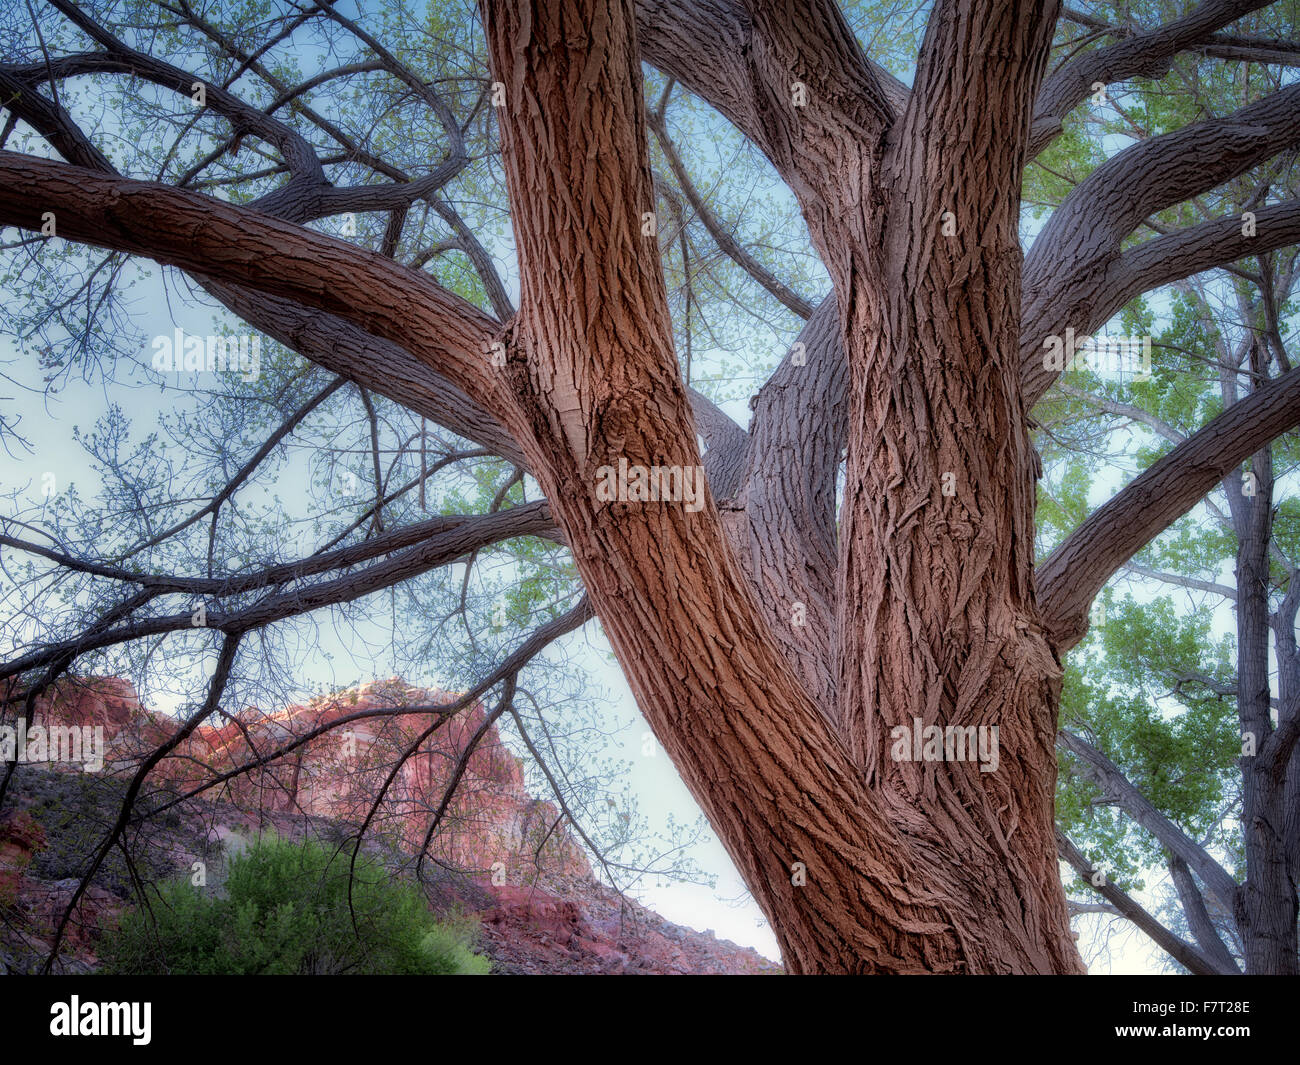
x=707 y=44
x=597 y=380
x=935 y=599
x=1286 y=753
x=785 y=533
x=727 y=446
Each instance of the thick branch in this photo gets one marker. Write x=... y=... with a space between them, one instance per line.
x=707 y=44
x=51 y=121
x=297 y=152
x=787 y=538
x=247 y=248
x=981 y=64
x=1148 y=55
x=378 y=364
x=727 y=446
x=1071 y=276
x=1087 y=304
x=1077 y=570
x=338 y=345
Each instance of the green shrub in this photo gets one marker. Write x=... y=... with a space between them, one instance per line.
x=285 y=910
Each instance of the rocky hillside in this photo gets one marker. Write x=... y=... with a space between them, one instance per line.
x=499 y=853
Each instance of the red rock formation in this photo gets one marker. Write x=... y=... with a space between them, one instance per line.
x=20 y=838
x=588 y=928
x=130 y=731
x=492 y=821
x=550 y=916
x=108 y=701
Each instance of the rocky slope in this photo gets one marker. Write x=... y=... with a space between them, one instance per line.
x=499 y=853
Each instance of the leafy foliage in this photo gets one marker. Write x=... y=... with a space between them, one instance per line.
x=287 y=909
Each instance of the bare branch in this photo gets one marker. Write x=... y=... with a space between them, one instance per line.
x=248 y=468
x=724 y=239
x=432 y=552
x=531 y=519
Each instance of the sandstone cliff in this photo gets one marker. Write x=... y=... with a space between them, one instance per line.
x=500 y=853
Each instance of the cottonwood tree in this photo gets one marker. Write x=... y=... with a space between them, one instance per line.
x=776 y=636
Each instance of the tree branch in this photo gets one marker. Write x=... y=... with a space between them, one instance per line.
x=531 y=519
x=1147 y=55
x=1180 y=951
x=253 y=250
x=727 y=446
x=707 y=45
x=725 y=240
x=787 y=538
x=225 y=662
x=1198 y=918
x=1070 y=276
x=1075 y=572
x=1117 y=787
x=434 y=551
x=377 y=364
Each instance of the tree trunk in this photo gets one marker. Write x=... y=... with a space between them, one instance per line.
x=937 y=613
x=1266 y=903
x=928 y=869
